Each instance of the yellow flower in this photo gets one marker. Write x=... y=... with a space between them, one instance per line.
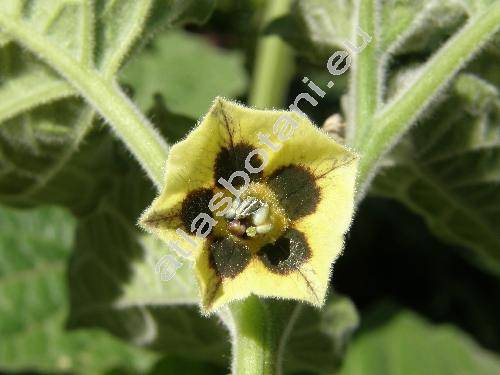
x=260 y=200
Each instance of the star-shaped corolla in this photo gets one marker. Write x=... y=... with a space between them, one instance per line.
x=260 y=200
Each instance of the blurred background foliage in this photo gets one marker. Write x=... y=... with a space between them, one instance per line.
x=416 y=291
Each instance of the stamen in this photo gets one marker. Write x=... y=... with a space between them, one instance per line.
x=248 y=206
x=261 y=215
x=248 y=217
x=231 y=213
x=264 y=228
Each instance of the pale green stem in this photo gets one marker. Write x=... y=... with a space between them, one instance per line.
x=397 y=117
x=273 y=64
x=104 y=96
x=365 y=86
x=254 y=345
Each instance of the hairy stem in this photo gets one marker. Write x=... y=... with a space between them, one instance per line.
x=397 y=117
x=253 y=342
x=365 y=87
x=273 y=64
x=103 y=95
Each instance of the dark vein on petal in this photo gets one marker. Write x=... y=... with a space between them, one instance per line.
x=308 y=283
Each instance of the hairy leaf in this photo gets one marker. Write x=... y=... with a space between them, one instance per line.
x=3 y=40
x=317 y=28
x=177 y=13
x=40 y=129
x=404 y=343
x=472 y=6
x=113 y=285
x=34 y=248
x=174 y=366
x=42 y=120
x=448 y=170
x=180 y=124
x=114 y=276
x=25 y=83
x=187 y=71
x=319 y=339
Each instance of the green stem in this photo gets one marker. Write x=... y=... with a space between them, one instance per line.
x=254 y=345
x=397 y=117
x=273 y=64
x=365 y=74
x=103 y=95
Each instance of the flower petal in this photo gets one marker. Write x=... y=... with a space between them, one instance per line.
x=308 y=177
x=227 y=271
x=166 y=217
x=296 y=190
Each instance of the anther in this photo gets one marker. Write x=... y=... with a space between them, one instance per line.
x=246 y=208
x=231 y=213
x=260 y=216
x=264 y=228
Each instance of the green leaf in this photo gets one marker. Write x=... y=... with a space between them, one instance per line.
x=42 y=122
x=187 y=84
x=315 y=28
x=80 y=185
x=472 y=6
x=177 y=13
x=117 y=26
x=180 y=124
x=397 y=17
x=3 y=40
x=319 y=338
x=113 y=282
x=404 y=343
x=448 y=170
x=34 y=248
x=36 y=139
x=421 y=27
x=114 y=285
x=39 y=129
x=484 y=65
x=26 y=84
x=175 y=366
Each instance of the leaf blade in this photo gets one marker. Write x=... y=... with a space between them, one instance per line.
x=404 y=343
x=448 y=170
x=34 y=247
